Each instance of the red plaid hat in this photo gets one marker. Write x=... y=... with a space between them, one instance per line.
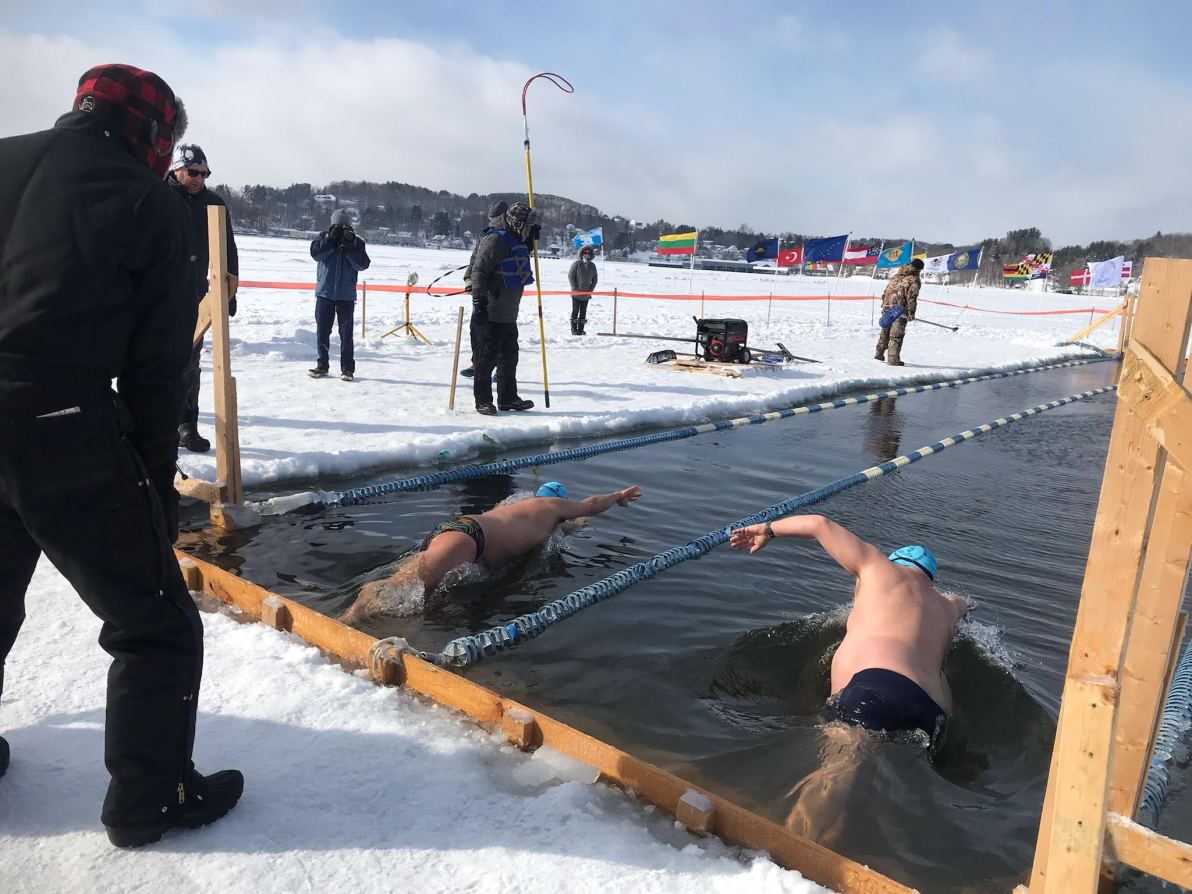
x=139 y=106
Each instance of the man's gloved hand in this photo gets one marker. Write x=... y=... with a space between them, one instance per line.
x=232 y=306
x=533 y=234
x=348 y=236
x=233 y=284
x=480 y=303
x=336 y=233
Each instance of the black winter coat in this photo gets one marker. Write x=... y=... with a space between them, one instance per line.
x=197 y=206
x=95 y=278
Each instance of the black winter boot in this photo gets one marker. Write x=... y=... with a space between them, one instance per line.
x=190 y=439
x=204 y=799
x=517 y=404
x=486 y=409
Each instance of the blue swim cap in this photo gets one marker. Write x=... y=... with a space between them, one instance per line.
x=916 y=557
x=552 y=489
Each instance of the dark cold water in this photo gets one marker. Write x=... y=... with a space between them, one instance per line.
x=717 y=669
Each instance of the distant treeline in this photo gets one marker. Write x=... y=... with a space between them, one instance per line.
x=425 y=213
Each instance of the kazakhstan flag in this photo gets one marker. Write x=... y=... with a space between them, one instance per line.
x=897 y=256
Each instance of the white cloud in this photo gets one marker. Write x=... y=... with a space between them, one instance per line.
x=950 y=61
x=303 y=103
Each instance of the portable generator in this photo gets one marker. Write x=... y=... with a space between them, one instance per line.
x=723 y=340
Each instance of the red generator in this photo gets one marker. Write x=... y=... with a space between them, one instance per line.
x=723 y=340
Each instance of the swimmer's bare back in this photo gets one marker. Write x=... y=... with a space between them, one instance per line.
x=898 y=622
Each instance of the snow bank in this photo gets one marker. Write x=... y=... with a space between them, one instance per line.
x=395 y=413
x=349 y=786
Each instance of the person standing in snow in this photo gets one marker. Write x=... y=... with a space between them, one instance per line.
x=583 y=277
x=498 y=273
x=341 y=256
x=188 y=175
x=902 y=291
x=97 y=283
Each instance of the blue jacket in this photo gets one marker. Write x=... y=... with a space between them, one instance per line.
x=338 y=266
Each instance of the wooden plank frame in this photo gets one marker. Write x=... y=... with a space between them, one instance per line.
x=1098 y=323
x=532 y=728
x=1127 y=620
x=213 y=314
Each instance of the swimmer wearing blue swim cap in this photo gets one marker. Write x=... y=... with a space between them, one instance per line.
x=916 y=557
x=887 y=672
x=552 y=489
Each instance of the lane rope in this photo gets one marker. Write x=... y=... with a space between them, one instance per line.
x=357 y=495
x=1171 y=745
x=467 y=650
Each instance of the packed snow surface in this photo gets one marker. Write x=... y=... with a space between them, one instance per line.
x=349 y=786
x=395 y=412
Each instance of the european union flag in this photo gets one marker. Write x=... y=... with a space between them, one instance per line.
x=830 y=249
x=898 y=256
x=761 y=251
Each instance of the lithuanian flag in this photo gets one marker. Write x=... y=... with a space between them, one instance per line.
x=677 y=244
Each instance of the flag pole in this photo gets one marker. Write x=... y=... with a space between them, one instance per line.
x=839 y=274
x=873 y=280
x=691 y=277
x=564 y=85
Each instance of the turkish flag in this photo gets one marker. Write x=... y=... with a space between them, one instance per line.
x=789 y=257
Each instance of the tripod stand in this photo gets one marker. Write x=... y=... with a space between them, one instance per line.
x=407 y=327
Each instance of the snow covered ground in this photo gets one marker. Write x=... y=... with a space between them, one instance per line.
x=395 y=413
x=348 y=786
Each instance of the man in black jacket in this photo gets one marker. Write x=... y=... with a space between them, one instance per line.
x=96 y=284
x=188 y=175
x=498 y=273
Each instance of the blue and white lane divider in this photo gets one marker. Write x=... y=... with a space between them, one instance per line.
x=468 y=650
x=1171 y=745
x=288 y=503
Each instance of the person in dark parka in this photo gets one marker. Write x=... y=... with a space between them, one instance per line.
x=341 y=256
x=498 y=273
x=96 y=284
x=188 y=176
x=582 y=278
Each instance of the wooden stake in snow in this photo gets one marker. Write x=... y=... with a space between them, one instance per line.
x=459 y=333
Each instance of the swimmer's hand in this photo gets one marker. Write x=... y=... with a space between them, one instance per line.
x=628 y=495
x=752 y=538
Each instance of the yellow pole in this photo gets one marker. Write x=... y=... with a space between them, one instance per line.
x=563 y=84
x=537 y=283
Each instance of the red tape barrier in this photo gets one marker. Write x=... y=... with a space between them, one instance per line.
x=444 y=290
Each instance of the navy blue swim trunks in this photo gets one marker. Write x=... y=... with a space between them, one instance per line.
x=885 y=701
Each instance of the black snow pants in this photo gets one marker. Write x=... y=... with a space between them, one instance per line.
x=73 y=487
x=496 y=348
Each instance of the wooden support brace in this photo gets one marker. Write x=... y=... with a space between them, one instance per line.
x=696 y=811
x=1149 y=852
x=1154 y=395
x=519 y=728
x=191 y=575
x=197 y=488
x=1098 y=323
x=275 y=614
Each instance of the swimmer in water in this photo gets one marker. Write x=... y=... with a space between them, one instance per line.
x=887 y=673
x=492 y=539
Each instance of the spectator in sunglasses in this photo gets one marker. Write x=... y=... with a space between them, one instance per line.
x=188 y=175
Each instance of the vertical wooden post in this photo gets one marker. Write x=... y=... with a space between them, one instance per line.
x=769 y=307
x=459 y=332
x=701 y=303
x=1072 y=830
x=614 y=310
x=227 y=431
x=363 y=309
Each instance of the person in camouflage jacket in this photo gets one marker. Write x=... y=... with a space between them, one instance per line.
x=903 y=291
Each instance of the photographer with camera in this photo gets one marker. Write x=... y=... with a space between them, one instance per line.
x=341 y=256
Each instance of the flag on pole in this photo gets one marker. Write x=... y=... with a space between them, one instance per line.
x=593 y=237
x=965 y=259
x=1081 y=276
x=829 y=249
x=1013 y=271
x=860 y=256
x=790 y=257
x=1106 y=274
x=897 y=256
x=677 y=244
x=763 y=250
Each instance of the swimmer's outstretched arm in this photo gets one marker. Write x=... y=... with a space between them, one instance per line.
x=595 y=504
x=850 y=552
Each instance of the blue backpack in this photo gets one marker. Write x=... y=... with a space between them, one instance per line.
x=891 y=314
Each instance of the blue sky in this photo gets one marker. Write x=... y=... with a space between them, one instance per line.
x=943 y=121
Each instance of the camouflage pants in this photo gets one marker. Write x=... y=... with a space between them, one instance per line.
x=891 y=340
